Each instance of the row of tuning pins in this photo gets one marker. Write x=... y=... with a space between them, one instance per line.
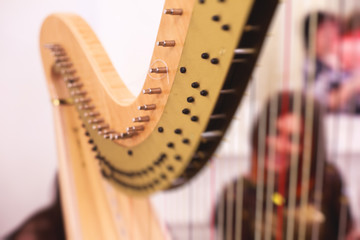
x=134 y=130
x=163 y=43
x=62 y=64
x=83 y=103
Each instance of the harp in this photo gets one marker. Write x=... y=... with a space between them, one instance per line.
x=161 y=138
x=109 y=139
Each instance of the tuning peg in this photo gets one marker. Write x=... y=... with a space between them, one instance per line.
x=91 y=114
x=127 y=134
x=71 y=79
x=158 y=70
x=147 y=107
x=228 y=91
x=249 y=28
x=135 y=128
x=78 y=93
x=218 y=116
x=211 y=135
x=96 y=121
x=166 y=43
x=141 y=119
x=239 y=51
x=86 y=107
x=173 y=11
x=74 y=85
x=68 y=71
x=106 y=131
x=51 y=46
x=152 y=91
x=64 y=64
x=61 y=59
x=82 y=100
x=100 y=127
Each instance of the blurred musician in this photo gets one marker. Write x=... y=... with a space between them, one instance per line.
x=290 y=181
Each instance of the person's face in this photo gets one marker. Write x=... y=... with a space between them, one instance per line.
x=327 y=42
x=281 y=146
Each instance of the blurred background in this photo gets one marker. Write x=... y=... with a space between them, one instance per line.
x=128 y=31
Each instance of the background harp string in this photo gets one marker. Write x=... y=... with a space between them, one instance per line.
x=190 y=218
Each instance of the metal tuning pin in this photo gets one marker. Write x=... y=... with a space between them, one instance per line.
x=86 y=107
x=199 y=155
x=111 y=136
x=135 y=128
x=228 y=91
x=91 y=114
x=166 y=43
x=71 y=79
x=96 y=121
x=141 y=119
x=51 y=46
x=106 y=131
x=218 y=116
x=77 y=93
x=114 y=136
x=82 y=100
x=250 y=28
x=59 y=53
x=68 y=71
x=147 y=107
x=158 y=70
x=173 y=11
x=61 y=59
x=56 y=50
x=64 y=64
x=152 y=91
x=107 y=136
x=240 y=51
x=239 y=60
x=127 y=134
x=74 y=85
x=211 y=135
x=100 y=127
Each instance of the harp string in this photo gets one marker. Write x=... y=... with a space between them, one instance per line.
x=320 y=164
x=343 y=202
x=284 y=105
x=270 y=181
x=343 y=208
x=240 y=182
x=266 y=180
x=229 y=211
x=221 y=214
x=259 y=176
x=308 y=132
x=308 y=126
x=321 y=153
x=293 y=175
x=212 y=197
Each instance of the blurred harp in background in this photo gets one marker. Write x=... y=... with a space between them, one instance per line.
x=117 y=151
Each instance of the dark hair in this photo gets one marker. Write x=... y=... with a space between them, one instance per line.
x=353 y=21
x=46 y=223
x=321 y=18
x=285 y=105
